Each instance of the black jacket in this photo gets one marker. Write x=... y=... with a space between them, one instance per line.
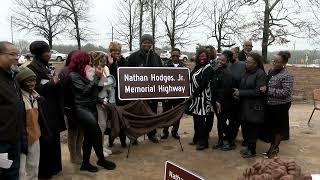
x=173 y=102
x=113 y=71
x=52 y=105
x=252 y=100
x=85 y=92
x=12 y=111
x=221 y=85
x=142 y=59
x=242 y=56
x=114 y=66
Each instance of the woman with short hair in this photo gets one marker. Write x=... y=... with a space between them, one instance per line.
x=280 y=86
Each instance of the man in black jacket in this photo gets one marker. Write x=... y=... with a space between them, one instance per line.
x=145 y=57
x=247 y=48
x=171 y=103
x=12 y=112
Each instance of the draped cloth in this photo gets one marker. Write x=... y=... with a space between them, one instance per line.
x=137 y=118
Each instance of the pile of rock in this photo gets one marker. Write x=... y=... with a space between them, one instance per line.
x=275 y=169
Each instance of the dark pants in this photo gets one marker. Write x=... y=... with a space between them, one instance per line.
x=13 y=151
x=222 y=126
x=50 y=151
x=154 y=107
x=234 y=121
x=92 y=133
x=202 y=128
x=250 y=133
x=175 y=127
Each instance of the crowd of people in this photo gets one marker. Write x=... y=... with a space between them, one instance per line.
x=37 y=104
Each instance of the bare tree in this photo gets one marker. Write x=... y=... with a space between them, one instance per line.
x=279 y=20
x=142 y=6
x=155 y=8
x=76 y=13
x=179 y=16
x=127 y=22
x=314 y=8
x=23 y=46
x=39 y=16
x=224 y=21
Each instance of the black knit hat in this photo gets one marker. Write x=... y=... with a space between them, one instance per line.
x=146 y=37
x=37 y=48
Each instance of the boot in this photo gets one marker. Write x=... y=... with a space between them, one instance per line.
x=200 y=147
x=247 y=153
x=218 y=144
x=229 y=146
x=88 y=167
x=106 y=164
x=250 y=151
x=273 y=152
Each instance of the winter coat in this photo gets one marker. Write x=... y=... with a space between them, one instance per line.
x=52 y=93
x=221 y=86
x=142 y=59
x=85 y=91
x=252 y=100
x=11 y=109
x=201 y=103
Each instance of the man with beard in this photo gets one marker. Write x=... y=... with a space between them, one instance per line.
x=247 y=47
x=145 y=57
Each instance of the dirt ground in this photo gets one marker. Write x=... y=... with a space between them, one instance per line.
x=146 y=161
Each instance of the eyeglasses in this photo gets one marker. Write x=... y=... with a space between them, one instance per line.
x=11 y=54
x=249 y=62
x=175 y=56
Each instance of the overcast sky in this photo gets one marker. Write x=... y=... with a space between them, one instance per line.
x=102 y=13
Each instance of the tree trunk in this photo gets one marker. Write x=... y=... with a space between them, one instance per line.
x=173 y=3
x=140 y=19
x=50 y=39
x=130 y=29
x=77 y=30
x=265 y=37
x=219 y=39
x=153 y=23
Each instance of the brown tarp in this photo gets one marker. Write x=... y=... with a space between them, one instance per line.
x=137 y=119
